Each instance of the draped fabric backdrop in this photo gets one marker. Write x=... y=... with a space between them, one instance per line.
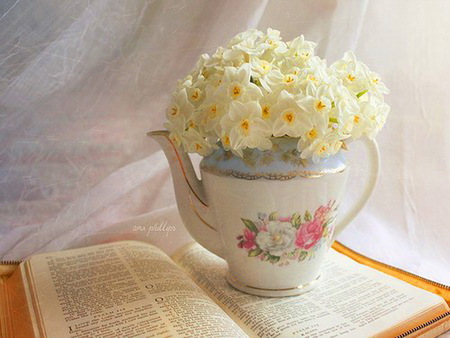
x=81 y=82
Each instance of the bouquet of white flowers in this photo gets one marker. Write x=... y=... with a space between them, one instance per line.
x=260 y=87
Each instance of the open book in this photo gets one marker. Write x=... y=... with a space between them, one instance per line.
x=133 y=289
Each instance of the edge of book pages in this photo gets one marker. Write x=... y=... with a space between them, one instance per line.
x=427 y=329
x=437 y=288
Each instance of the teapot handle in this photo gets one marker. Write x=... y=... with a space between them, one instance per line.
x=374 y=167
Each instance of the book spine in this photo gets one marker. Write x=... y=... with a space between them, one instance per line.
x=445 y=317
x=10 y=262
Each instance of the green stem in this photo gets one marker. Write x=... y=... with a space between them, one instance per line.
x=333 y=120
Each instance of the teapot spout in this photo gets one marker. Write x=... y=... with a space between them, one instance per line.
x=190 y=195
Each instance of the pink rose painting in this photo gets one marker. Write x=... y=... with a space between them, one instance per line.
x=280 y=239
x=309 y=234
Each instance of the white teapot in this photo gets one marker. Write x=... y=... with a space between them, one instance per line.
x=271 y=215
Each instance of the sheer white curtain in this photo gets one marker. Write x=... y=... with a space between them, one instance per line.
x=81 y=82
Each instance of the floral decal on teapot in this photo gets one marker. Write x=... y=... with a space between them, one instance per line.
x=280 y=239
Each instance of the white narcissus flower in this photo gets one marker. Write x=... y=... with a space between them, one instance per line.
x=236 y=85
x=195 y=95
x=208 y=115
x=267 y=102
x=180 y=106
x=318 y=102
x=351 y=72
x=176 y=127
x=328 y=144
x=260 y=68
x=242 y=46
x=265 y=73
x=194 y=142
x=345 y=102
x=274 y=42
x=319 y=74
x=371 y=119
x=316 y=99
x=379 y=120
x=245 y=127
x=249 y=42
x=374 y=84
x=213 y=63
x=290 y=120
x=301 y=50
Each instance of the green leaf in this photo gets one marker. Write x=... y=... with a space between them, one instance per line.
x=308 y=216
x=296 y=220
x=274 y=259
x=254 y=252
x=273 y=216
x=302 y=256
x=250 y=225
x=361 y=93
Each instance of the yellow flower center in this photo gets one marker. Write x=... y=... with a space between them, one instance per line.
x=245 y=126
x=265 y=112
x=323 y=149
x=236 y=92
x=272 y=43
x=266 y=66
x=312 y=78
x=198 y=146
x=175 y=139
x=320 y=105
x=375 y=80
x=196 y=94
x=191 y=124
x=226 y=140
x=289 y=79
x=303 y=55
x=289 y=117
x=312 y=134
x=213 y=110
x=351 y=77
x=174 y=110
x=356 y=119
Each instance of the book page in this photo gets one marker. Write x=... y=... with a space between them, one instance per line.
x=124 y=289
x=351 y=300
